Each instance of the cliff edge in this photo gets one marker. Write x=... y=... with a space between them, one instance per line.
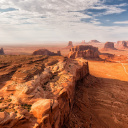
x=40 y=90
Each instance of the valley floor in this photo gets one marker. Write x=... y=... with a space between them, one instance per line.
x=101 y=99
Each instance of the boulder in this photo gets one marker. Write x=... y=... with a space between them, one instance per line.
x=46 y=111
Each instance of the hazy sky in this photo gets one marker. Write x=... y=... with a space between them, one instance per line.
x=62 y=20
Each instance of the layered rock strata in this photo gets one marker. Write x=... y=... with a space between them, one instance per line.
x=109 y=45
x=45 y=99
x=83 y=51
x=122 y=44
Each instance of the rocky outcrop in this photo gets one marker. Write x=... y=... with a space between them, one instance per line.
x=46 y=52
x=70 y=45
x=83 y=51
x=109 y=46
x=2 y=51
x=45 y=99
x=122 y=44
x=54 y=112
x=127 y=43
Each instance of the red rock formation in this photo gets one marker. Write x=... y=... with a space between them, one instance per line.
x=2 y=51
x=53 y=112
x=122 y=44
x=127 y=43
x=45 y=99
x=109 y=46
x=85 y=51
x=46 y=52
x=94 y=41
x=70 y=45
x=83 y=42
x=58 y=53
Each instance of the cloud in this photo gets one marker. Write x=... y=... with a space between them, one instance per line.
x=37 y=20
x=109 y=9
x=121 y=22
x=46 y=12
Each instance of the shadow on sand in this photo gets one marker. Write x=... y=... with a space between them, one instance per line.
x=99 y=103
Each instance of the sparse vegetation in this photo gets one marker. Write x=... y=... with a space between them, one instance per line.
x=26 y=106
x=9 y=100
x=44 y=87
x=2 y=110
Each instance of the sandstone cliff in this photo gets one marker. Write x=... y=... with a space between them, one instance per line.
x=122 y=44
x=39 y=90
x=109 y=46
x=84 y=51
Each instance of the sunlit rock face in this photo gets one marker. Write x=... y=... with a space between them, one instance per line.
x=84 y=51
x=109 y=45
x=38 y=91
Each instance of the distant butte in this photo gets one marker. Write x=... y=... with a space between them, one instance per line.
x=94 y=41
x=2 y=51
x=82 y=43
x=46 y=52
x=122 y=44
x=70 y=45
x=83 y=51
x=109 y=46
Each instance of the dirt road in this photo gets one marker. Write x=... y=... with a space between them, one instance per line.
x=101 y=99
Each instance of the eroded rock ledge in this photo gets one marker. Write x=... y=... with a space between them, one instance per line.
x=44 y=101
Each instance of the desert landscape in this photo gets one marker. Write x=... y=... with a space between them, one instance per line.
x=71 y=86
x=63 y=63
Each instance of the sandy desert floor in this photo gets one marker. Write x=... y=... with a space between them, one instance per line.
x=101 y=99
x=28 y=50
